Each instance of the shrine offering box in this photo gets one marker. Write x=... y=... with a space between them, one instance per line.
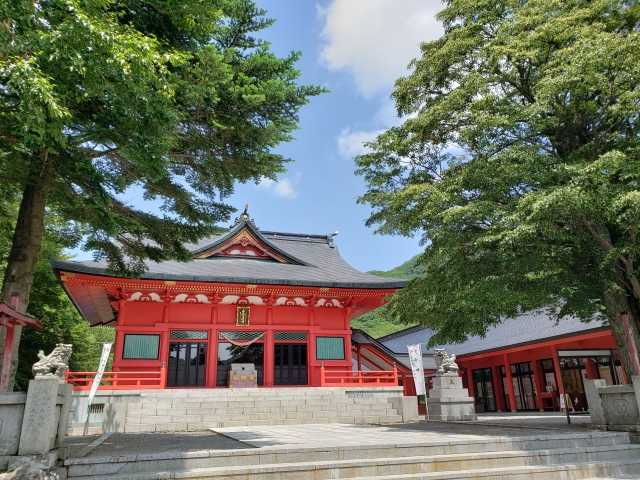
x=242 y=375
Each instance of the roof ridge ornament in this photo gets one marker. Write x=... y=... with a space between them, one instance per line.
x=244 y=218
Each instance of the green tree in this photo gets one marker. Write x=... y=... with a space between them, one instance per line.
x=377 y=323
x=178 y=100
x=60 y=320
x=518 y=163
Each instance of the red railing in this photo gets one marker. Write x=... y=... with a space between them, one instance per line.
x=117 y=380
x=354 y=378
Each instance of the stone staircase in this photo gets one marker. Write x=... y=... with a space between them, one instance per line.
x=540 y=457
x=200 y=409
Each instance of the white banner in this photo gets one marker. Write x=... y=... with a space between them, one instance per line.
x=415 y=357
x=106 y=350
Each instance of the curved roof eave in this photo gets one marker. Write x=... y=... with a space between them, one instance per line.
x=75 y=267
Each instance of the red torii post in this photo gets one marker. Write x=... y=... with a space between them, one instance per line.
x=9 y=317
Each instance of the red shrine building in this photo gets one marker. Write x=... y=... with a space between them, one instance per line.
x=280 y=301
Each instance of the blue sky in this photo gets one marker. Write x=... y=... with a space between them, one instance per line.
x=356 y=49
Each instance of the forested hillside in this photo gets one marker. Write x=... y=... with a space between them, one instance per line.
x=372 y=323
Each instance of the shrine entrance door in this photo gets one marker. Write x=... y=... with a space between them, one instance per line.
x=187 y=364
x=290 y=364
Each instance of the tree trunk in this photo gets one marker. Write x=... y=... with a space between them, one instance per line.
x=21 y=264
x=617 y=301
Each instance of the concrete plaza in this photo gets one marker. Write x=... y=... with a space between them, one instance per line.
x=525 y=446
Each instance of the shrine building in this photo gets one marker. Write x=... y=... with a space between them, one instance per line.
x=280 y=301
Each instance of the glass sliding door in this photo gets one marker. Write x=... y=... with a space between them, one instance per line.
x=524 y=386
x=187 y=364
x=290 y=364
x=483 y=390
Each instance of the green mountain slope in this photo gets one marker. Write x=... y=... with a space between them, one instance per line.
x=370 y=322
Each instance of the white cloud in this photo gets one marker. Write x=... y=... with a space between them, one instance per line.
x=284 y=188
x=376 y=39
x=350 y=143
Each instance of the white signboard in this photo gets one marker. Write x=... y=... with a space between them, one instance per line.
x=415 y=358
x=106 y=350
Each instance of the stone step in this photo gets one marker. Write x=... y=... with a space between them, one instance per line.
x=189 y=410
x=270 y=393
x=306 y=457
x=133 y=420
x=259 y=401
x=414 y=467
x=618 y=470
x=257 y=410
x=181 y=426
x=277 y=409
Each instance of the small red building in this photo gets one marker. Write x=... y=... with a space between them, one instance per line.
x=281 y=301
x=526 y=363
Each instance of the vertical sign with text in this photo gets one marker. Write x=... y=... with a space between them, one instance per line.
x=415 y=358
x=106 y=350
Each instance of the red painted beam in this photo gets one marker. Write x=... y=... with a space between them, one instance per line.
x=604 y=334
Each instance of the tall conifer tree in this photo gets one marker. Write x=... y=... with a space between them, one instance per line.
x=178 y=100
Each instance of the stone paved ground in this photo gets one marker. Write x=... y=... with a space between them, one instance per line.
x=134 y=443
x=78 y=442
x=337 y=434
x=488 y=425
x=534 y=419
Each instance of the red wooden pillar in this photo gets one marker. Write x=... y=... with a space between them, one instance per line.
x=347 y=352
x=512 y=393
x=471 y=387
x=269 y=356
x=592 y=370
x=120 y=322
x=556 y=366
x=13 y=322
x=212 y=365
x=498 y=388
x=164 y=351
x=313 y=372
x=165 y=335
x=538 y=383
x=6 y=360
x=119 y=345
x=359 y=357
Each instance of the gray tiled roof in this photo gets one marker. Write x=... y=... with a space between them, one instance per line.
x=527 y=328
x=358 y=337
x=323 y=266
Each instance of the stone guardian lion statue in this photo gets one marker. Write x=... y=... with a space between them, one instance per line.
x=445 y=363
x=53 y=365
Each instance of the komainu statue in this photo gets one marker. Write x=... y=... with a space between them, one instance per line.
x=445 y=363
x=53 y=365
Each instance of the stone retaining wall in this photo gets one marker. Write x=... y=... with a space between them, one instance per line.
x=33 y=424
x=614 y=407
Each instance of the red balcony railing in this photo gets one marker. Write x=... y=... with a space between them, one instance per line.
x=355 y=378
x=117 y=380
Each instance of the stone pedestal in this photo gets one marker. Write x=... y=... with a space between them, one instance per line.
x=407 y=407
x=593 y=400
x=615 y=407
x=40 y=424
x=449 y=401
